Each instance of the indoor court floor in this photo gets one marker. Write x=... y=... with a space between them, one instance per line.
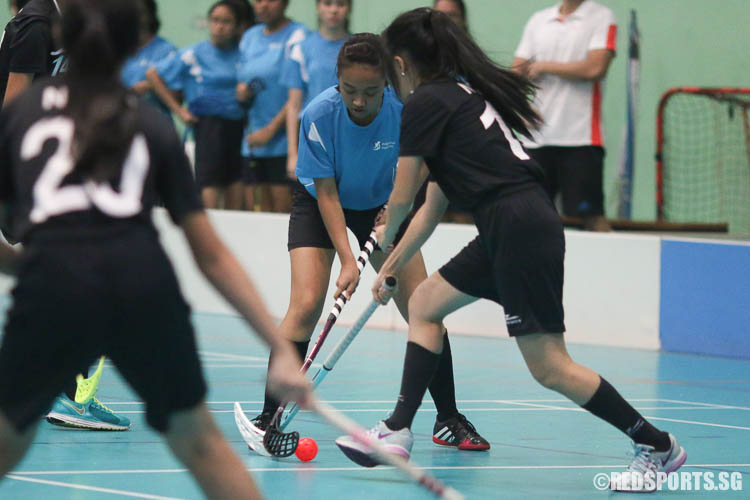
x=542 y=445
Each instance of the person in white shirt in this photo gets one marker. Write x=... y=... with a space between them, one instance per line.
x=566 y=50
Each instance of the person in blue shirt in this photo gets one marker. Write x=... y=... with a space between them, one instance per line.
x=151 y=50
x=311 y=67
x=264 y=48
x=348 y=151
x=206 y=73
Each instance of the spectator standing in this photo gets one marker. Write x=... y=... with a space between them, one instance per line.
x=151 y=50
x=264 y=48
x=311 y=67
x=206 y=74
x=566 y=50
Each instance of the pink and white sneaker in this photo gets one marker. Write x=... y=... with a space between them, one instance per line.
x=649 y=467
x=397 y=442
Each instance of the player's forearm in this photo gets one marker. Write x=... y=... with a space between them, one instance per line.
x=278 y=121
x=586 y=70
x=520 y=66
x=161 y=90
x=294 y=105
x=17 y=84
x=395 y=215
x=8 y=258
x=420 y=228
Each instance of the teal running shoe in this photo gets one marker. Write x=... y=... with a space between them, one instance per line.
x=91 y=414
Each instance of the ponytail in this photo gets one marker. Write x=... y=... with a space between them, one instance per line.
x=98 y=35
x=440 y=48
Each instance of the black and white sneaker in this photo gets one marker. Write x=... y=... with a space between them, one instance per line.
x=263 y=420
x=458 y=432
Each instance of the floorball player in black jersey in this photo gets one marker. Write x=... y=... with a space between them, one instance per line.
x=460 y=119
x=82 y=161
x=28 y=51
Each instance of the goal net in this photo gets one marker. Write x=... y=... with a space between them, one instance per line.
x=703 y=157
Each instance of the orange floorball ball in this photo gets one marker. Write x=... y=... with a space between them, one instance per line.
x=307 y=449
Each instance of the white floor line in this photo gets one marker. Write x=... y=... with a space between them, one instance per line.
x=508 y=401
x=211 y=365
x=707 y=404
x=314 y=468
x=236 y=357
x=709 y=424
x=464 y=409
x=75 y=486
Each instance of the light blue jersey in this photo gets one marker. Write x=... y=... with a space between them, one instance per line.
x=207 y=77
x=262 y=58
x=311 y=66
x=134 y=70
x=362 y=159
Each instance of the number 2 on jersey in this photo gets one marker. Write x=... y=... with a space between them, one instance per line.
x=52 y=198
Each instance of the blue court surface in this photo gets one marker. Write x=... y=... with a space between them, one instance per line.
x=542 y=445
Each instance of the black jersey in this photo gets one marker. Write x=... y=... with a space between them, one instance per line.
x=28 y=45
x=468 y=148
x=46 y=197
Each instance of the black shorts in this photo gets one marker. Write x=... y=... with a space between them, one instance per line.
x=516 y=261
x=307 y=229
x=577 y=174
x=271 y=170
x=218 y=151
x=77 y=300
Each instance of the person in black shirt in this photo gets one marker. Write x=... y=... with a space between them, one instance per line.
x=459 y=123
x=92 y=277
x=28 y=50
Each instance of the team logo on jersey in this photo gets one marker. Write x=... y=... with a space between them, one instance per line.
x=383 y=145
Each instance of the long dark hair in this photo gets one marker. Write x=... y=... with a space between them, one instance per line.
x=363 y=48
x=154 y=23
x=439 y=48
x=247 y=13
x=98 y=35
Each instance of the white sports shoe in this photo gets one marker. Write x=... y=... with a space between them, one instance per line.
x=643 y=472
x=396 y=442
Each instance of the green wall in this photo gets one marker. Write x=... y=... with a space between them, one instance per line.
x=684 y=42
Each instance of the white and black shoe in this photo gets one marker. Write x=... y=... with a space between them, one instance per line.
x=647 y=463
x=397 y=442
x=459 y=433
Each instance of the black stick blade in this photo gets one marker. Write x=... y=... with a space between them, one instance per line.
x=280 y=444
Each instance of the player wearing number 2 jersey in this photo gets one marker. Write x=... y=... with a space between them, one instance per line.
x=92 y=277
x=460 y=115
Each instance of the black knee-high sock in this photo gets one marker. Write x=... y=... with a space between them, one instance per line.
x=419 y=368
x=442 y=387
x=270 y=403
x=72 y=385
x=610 y=406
